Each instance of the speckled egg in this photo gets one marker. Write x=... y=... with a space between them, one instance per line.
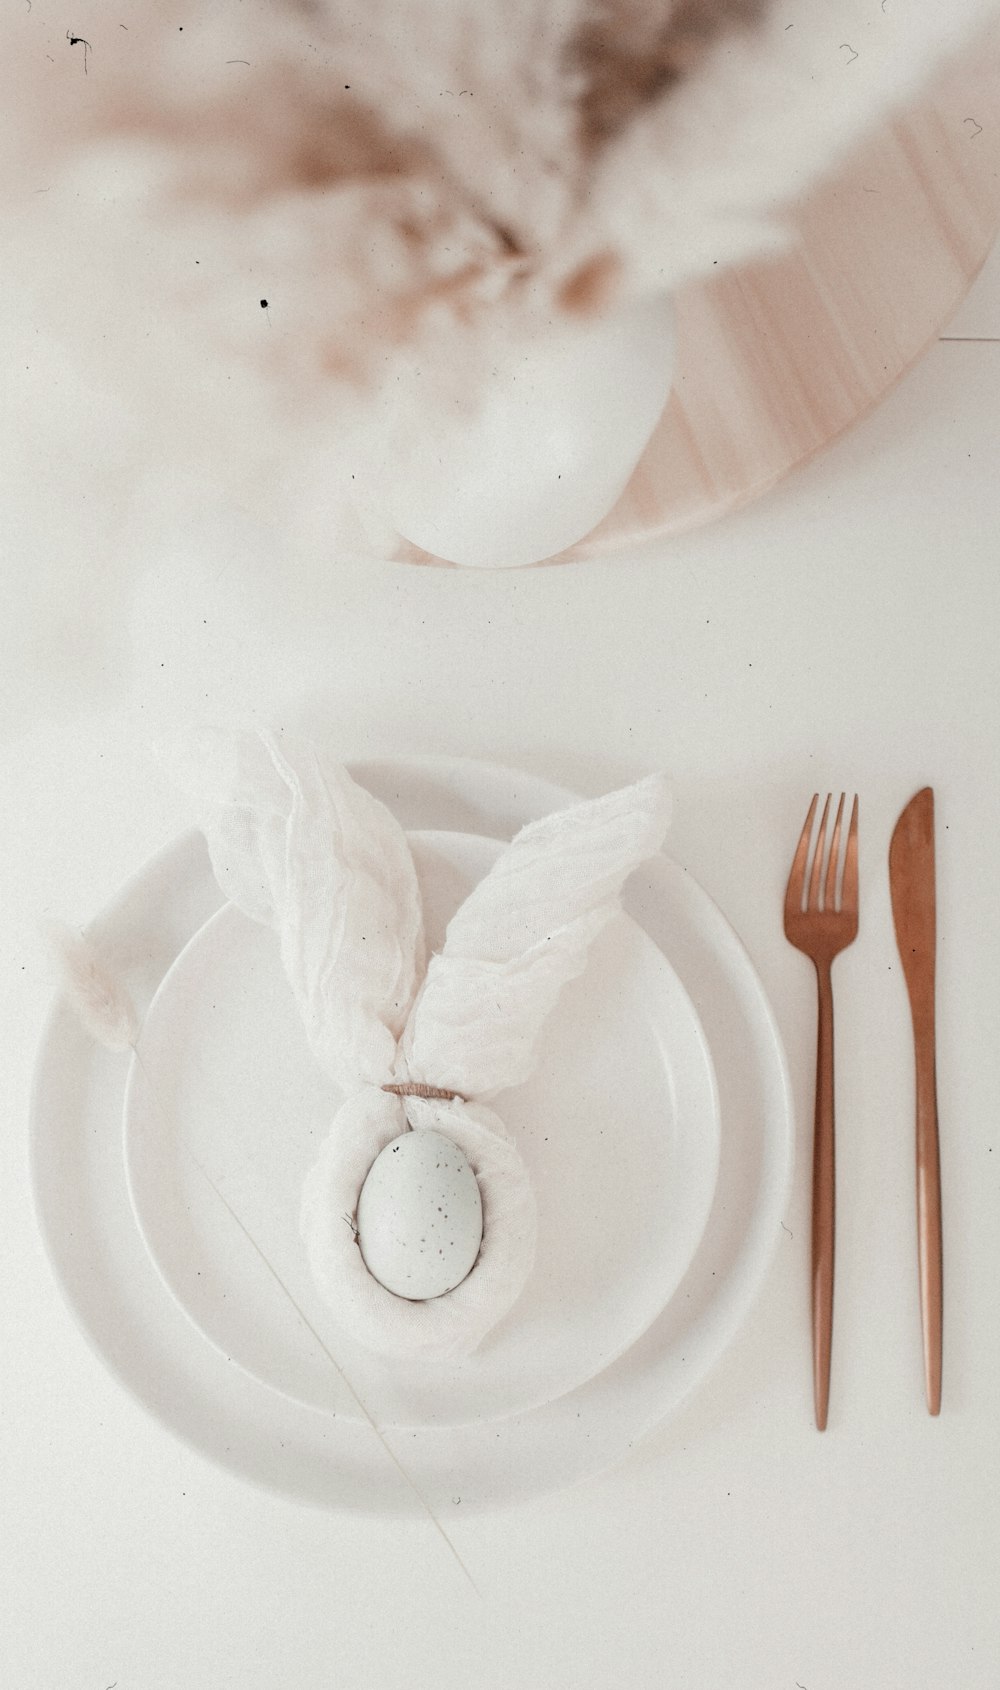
x=420 y=1216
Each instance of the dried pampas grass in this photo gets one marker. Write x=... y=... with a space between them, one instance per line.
x=226 y=236
x=314 y=183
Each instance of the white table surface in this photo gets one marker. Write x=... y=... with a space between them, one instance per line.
x=843 y=632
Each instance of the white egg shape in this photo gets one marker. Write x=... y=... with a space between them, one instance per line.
x=420 y=1216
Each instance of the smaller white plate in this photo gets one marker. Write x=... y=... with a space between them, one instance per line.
x=619 y=1127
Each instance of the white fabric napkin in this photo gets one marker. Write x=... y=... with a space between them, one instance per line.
x=298 y=845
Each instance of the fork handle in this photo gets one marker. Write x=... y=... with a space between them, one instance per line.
x=823 y=1198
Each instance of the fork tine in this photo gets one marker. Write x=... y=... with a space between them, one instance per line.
x=830 y=889
x=849 y=887
x=797 y=873
x=817 y=868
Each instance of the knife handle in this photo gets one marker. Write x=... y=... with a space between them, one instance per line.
x=929 y=1245
x=823 y=1198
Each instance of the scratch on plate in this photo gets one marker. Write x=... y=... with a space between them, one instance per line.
x=307 y=1323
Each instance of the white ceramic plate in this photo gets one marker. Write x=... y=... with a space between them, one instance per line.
x=261 y=1434
x=619 y=1127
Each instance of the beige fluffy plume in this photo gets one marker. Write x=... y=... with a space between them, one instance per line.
x=97 y=997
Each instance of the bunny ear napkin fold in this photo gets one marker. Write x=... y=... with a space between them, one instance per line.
x=413 y=1045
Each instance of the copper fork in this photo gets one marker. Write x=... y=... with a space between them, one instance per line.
x=822 y=924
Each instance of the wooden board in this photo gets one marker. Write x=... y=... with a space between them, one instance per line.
x=776 y=359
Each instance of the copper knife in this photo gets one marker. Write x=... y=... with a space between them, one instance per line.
x=911 y=881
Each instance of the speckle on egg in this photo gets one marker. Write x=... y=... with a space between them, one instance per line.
x=420 y=1216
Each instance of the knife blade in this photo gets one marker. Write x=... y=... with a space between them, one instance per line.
x=912 y=886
